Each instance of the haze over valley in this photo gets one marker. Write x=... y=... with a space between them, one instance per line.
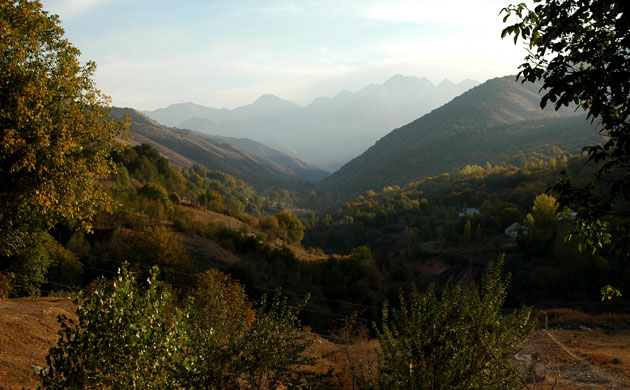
x=329 y=131
x=269 y=194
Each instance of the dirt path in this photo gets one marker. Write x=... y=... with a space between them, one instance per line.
x=572 y=360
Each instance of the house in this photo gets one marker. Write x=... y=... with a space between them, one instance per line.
x=468 y=211
x=515 y=229
x=567 y=216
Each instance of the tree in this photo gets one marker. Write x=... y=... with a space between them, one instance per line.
x=30 y=266
x=579 y=49
x=237 y=347
x=221 y=318
x=55 y=131
x=453 y=338
x=362 y=254
x=275 y=349
x=126 y=337
x=544 y=211
x=292 y=225
x=164 y=248
x=467 y=234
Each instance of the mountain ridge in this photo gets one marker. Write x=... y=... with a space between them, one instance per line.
x=327 y=132
x=501 y=109
x=245 y=161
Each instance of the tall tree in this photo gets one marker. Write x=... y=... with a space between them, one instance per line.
x=580 y=49
x=55 y=131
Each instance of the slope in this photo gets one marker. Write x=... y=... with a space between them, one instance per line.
x=329 y=131
x=498 y=121
x=185 y=147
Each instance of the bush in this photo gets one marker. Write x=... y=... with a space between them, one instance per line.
x=236 y=347
x=453 y=338
x=65 y=270
x=31 y=265
x=220 y=319
x=291 y=226
x=125 y=338
x=164 y=248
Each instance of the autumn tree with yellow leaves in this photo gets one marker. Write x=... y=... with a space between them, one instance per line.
x=55 y=131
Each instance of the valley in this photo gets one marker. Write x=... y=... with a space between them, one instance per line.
x=428 y=203
x=391 y=232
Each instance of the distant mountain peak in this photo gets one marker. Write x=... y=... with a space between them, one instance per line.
x=184 y=104
x=446 y=83
x=327 y=132
x=401 y=80
x=269 y=99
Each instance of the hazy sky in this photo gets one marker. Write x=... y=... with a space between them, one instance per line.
x=226 y=53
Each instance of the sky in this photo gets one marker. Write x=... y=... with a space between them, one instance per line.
x=226 y=53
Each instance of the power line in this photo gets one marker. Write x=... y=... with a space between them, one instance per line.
x=284 y=291
x=175 y=285
x=292 y=307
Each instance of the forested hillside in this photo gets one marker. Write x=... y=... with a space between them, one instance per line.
x=197 y=261
x=499 y=121
x=261 y=166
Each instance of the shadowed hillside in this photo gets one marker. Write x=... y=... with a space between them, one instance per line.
x=495 y=122
x=245 y=159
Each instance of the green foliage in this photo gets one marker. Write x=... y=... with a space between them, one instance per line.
x=544 y=211
x=122 y=177
x=158 y=246
x=215 y=190
x=453 y=338
x=43 y=262
x=31 y=265
x=65 y=271
x=609 y=293
x=291 y=227
x=579 y=49
x=155 y=192
x=467 y=234
x=55 y=131
x=125 y=337
x=275 y=350
x=362 y=253
x=221 y=318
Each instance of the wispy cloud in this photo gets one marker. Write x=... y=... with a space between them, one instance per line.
x=72 y=8
x=452 y=12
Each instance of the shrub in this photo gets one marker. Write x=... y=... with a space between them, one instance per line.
x=453 y=338
x=291 y=226
x=164 y=248
x=124 y=338
x=220 y=319
x=31 y=265
x=65 y=269
x=237 y=347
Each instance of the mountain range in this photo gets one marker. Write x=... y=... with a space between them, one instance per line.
x=329 y=131
x=257 y=164
x=499 y=121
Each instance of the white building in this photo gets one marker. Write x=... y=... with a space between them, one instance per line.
x=515 y=229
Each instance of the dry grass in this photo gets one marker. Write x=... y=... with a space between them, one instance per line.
x=28 y=328
x=601 y=358
x=569 y=318
x=344 y=359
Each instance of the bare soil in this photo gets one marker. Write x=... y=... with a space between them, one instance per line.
x=28 y=328
x=574 y=359
x=584 y=359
